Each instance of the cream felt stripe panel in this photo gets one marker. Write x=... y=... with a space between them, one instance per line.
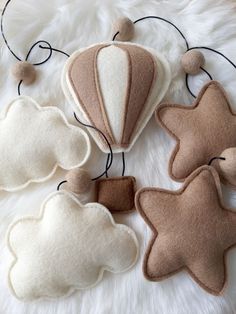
x=113 y=75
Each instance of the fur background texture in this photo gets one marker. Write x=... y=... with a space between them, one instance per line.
x=73 y=24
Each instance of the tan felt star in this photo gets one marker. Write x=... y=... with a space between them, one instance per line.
x=202 y=131
x=192 y=230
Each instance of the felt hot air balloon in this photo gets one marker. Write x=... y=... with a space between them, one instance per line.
x=115 y=87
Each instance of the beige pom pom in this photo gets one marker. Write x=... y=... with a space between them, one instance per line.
x=228 y=166
x=125 y=27
x=78 y=181
x=24 y=71
x=192 y=61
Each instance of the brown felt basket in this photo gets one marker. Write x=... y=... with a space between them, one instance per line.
x=117 y=193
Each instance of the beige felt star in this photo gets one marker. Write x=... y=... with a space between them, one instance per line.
x=192 y=230
x=202 y=131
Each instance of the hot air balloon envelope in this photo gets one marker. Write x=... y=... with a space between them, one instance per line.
x=115 y=87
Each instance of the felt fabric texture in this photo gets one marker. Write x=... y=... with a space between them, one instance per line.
x=78 y=180
x=67 y=247
x=227 y=165
x=125 y=27
x=71 y=25
x=104 y=84
x=42 y=140
x=192 y=230
x=117 y=194
x=24 y=71
x=192 y=61
x=202 y=131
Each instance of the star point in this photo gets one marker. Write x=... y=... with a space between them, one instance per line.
x=192 y=230
x=202 y=131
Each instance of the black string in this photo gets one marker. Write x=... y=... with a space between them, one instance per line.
x=187 y=83
x=60 y=184
x=123 y=162
x=18 y=88
x=215 y=51
x=32 y=47
x=187 y=46
x=114 y=37
x=3 y=35
x=45 y=60
x=166 y=21
x=161 y=19
x=54 y=49
x=215 y=158
x=39 y=43
x=209 y=75
x=110 y=155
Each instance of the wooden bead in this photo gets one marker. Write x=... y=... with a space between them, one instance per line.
x=192 y=61
x=125 y=27
x=228 y=166
x=24 y=71
x=78 y=181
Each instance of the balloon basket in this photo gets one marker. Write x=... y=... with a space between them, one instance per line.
x=116 y=193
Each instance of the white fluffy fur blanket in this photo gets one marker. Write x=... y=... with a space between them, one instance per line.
x=72 y=24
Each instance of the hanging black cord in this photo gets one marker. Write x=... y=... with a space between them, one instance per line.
x=110 y=155
x=187 y=82
x=161 y=19
x=3 y=35
x=215 y=158
x=39 y=42
x=19 y=87
x=123 y=162
x=32 y=47
x=60 y=184
x=166 y=21
x=56 y=50
x=44 y=61
x=215 y=51
x=209 y=75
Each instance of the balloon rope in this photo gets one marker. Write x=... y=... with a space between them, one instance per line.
x=187 y=46
x=212 y=50
x=3 y=35
x=39 y=42
x=44 y=61
x=109 y=156
x=123 y=162
x=60 y=184
x=166 y=21
x=187 y=82
x=215 y=158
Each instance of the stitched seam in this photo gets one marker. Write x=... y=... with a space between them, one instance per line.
x=121 y=227
x=193 y=176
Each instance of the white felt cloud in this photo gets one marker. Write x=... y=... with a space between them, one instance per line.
x=67 y=248
x=34 y=141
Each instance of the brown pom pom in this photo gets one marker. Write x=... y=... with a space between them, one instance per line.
x=192 y=61
x=125 y=27
x=228 y=166
x=78 y=181
x=24 y=71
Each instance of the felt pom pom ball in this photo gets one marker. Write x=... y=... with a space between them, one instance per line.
x=78 y=181
x=24 y=71
x=125 y=27
x=192 y=61
x=228 y=166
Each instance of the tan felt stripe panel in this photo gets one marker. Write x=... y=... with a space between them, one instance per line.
x=83 y=79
